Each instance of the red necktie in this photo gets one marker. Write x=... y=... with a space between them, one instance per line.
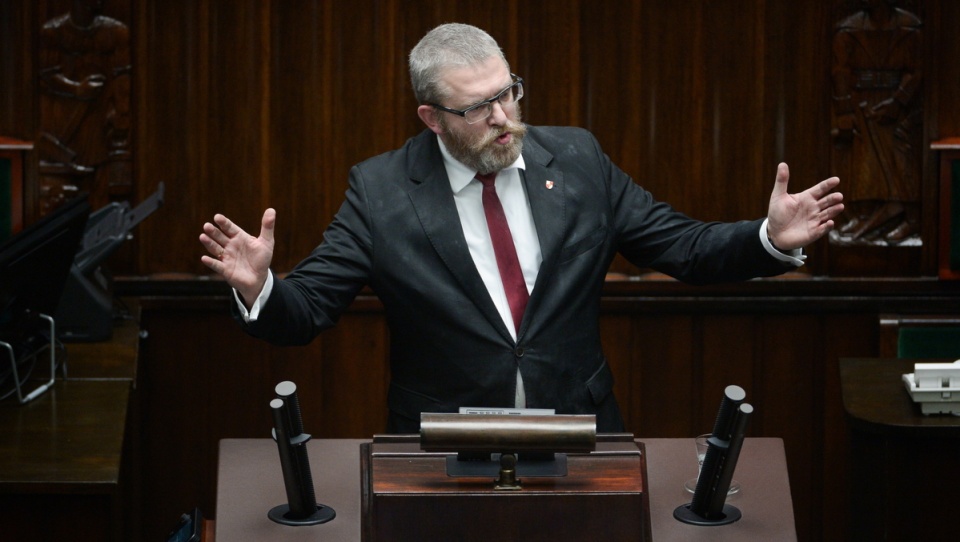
x=506 y=252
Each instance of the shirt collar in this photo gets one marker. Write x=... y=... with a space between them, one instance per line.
x=459 y=174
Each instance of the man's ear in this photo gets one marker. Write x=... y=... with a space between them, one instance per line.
x=428 y=115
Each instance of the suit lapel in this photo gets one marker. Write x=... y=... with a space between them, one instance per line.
x=547 y=195
x=432 y=199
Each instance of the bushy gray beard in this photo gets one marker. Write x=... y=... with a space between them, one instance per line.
x=483 y=154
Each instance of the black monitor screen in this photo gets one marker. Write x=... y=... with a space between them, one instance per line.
x=34 y=266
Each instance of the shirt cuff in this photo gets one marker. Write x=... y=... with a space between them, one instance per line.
x=252 y=314
x=795 y=256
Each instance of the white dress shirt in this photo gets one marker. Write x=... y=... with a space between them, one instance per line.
x=467 y=194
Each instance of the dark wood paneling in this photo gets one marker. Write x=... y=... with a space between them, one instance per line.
x=943 y=75
x=667 y=368
x=203 y=379
x=843 y=335
x=356 y=377
x=672 y=348
x=245 y=105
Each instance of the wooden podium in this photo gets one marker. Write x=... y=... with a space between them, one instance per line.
x=407 y=494
x=250 y=483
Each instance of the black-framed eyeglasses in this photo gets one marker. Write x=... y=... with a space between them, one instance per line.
x=481 y=110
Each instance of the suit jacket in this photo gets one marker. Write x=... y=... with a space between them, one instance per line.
x=398 y=231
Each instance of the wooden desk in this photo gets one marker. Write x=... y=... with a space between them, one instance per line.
x=876 y=401
x=904 y=465
x=61 y=454
x=113 y=359
x=250 y=483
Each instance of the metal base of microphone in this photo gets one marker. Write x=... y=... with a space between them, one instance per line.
x=728 y=515
x=281 y=514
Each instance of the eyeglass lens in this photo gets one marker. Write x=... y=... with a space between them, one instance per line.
x=510 y=95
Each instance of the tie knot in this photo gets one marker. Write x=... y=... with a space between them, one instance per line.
x=487 y=178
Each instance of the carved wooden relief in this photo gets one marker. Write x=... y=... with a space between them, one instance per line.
x=84 y=139
x=877 y=121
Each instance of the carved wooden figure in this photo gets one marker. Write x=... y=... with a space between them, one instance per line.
x=877 y=85
x=84 y=139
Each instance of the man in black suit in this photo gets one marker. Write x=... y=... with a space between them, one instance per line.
x=491 y=283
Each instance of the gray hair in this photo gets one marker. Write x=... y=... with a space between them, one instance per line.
x=451 y=45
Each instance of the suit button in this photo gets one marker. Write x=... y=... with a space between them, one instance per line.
x=518 y=352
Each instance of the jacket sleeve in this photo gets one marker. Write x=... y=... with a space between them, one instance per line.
x=652 y=234
x=315 y=293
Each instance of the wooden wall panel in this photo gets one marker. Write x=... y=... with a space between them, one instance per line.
x=173 y=90
x=249 y=104
x=669 y=101
x=619 y=333
x=796 y=100
x=843 y=336
x=944 y=75
x=302 y=124
x=653 y=378
x=202 y=379
x=667 y=367
x=203 y=107
x=727 y=357
x=789 y=391
x=609 y=76
x=356 y=377
x=552 y=82
x=190 y=402
x=733 y=67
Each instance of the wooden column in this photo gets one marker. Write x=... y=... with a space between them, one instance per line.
x=949 y=150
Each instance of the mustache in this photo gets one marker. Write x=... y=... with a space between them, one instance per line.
x=517 y=129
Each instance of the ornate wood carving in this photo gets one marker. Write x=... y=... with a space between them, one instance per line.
x=84 y=131
x=877 y=124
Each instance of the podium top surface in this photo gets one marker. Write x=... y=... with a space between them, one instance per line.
x=250 y=483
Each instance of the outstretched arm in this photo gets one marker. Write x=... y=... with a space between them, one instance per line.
x=240 y=258
x=796 y=220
